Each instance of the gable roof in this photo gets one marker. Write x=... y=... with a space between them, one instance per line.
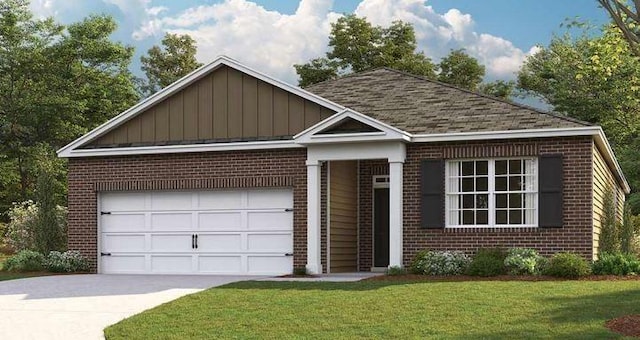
x=76 y=145
x=422 y=106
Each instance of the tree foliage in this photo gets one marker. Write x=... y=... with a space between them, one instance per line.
x=462 y=70
x=357 y=45
x=595 y=78
x=499 y=89
x=627 y=19
x=56 y=83
x=165 y=64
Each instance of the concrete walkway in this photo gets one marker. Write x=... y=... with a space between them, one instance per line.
x=81 y=306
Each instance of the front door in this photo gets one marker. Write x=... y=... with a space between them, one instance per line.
x=381 y=227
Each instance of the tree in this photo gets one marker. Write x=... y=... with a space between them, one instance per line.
x=595 y=78
x=460 y=69
x=50 y=222
x=167 y=63
x=56 y=83
x=356 y=45
x=499 y=89
x=627 y=19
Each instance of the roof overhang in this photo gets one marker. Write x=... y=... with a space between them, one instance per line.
x=72 y=149
x=385 y=132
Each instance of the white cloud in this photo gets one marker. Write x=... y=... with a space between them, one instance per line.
x=438 y=33
x=273 y=41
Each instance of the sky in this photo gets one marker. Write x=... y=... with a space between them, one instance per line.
x=272 y=35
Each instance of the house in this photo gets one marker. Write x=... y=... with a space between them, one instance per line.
x=230 y=171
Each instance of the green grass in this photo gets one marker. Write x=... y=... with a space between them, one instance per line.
x=387 y=310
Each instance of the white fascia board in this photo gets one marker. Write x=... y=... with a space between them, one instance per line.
x=181 y=84
x=387 y=132
x=147 y=150
x=610 y=157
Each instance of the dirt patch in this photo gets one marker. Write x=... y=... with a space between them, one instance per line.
x=628 y=325
x=456 y=278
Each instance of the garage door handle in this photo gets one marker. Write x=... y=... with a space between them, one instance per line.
x=193 y=241
x=196 y=241
x=105 y=254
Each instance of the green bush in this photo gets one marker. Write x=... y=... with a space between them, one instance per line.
x=567 y=265
x=488 y=262
x=522 y=261
x=67 y=262
x=616 y=264
x=25 y=230
x=25 y=261
x=439 y=263
x=395 y=271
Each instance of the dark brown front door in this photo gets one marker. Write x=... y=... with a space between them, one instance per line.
x=381 y=227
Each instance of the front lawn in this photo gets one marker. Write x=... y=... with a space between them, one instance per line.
x=387 y=310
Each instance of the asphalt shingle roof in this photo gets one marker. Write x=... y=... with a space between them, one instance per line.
x=418 y=105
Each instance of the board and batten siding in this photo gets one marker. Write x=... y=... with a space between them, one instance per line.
x=343 y=216
x=225 y=104
x=603 y=179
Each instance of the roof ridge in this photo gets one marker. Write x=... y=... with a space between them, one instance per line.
x=520 y=105
x=349 y=75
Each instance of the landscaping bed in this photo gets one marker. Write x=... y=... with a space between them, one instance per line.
x=462 y=278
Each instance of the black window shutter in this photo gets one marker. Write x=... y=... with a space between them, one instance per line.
x=550 y=196
x=432 y=192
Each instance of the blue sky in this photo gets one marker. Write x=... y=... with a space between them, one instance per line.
x=272 y=35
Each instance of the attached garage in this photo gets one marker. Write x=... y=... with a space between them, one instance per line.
x=196 y=232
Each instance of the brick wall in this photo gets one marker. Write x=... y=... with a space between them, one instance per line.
x=238 y=169
x=575 y=235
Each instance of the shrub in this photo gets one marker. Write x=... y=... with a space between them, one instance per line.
x=25 y=230
x=568 y=265
x=616 y=264
x=629 y=231
x=609 y=229
x=439 y=263
x=68 y=262
x=50 y=223
x=25 y=261
x=300 y=271
x=488 y=262
x=522 y=261
x=395 y=271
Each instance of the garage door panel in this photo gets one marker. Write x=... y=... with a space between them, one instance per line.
x=123 y=201
x=270 y=242
x=124 y=264
x=123 y=243
x=171 y=221
x=220 y=242
x=220 y=200
x=123 y=222
x=176 y=264
x=220 y=264
x=269 y=265
x=270 y=220
x=171 y=201
x=170 y=242
x=219 y=221
x=266 y=199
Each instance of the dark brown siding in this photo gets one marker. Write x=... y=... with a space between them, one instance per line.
x=226 y=104
x=343 y=216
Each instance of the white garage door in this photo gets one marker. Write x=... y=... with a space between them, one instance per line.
x=198 y=232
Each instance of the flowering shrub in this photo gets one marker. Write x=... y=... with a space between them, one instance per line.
x=439 y=263
x=24 y=261
x=67 y=262
x=522 y=261
x=20 y=232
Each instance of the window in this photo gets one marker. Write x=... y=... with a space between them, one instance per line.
x=491 y=193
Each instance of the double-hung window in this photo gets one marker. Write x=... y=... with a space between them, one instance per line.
x=491 y=193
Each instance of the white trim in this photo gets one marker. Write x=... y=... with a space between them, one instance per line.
x=313 y=134
x=394 y=151
x=507 y=134
x=314 y=225
x=145 y=150
x=181 y=84
x=396 y=214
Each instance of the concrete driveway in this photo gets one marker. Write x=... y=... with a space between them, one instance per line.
x=81 y=306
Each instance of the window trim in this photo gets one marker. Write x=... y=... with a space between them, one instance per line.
x=491 y=193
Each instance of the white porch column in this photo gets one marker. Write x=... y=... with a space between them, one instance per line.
x=395 y=213
x=314 y=266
